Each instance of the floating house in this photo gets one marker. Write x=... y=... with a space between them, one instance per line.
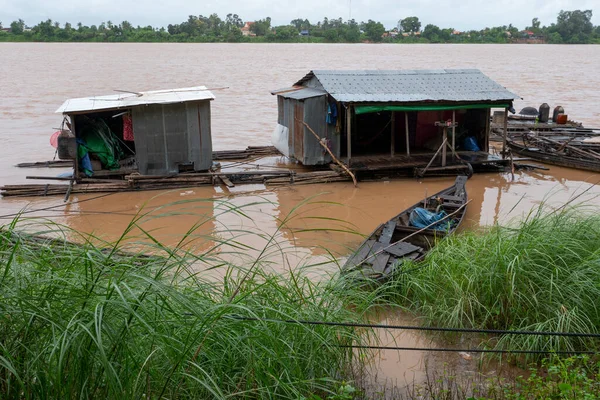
x=154 y=133
x=385 y=119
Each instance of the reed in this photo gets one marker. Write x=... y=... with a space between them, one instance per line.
x=91 y=321
x=542 y=275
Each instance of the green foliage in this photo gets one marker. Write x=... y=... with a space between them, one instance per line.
x=411 y=25
x=374 y=30
x=574 y=26
x=541 y=276
x=89 y=321
x=261 y=27
x=17 y=27
x=559 y=378
x=432 y=33
x=571 y=27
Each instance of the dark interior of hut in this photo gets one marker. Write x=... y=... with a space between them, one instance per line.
x=104 y=142
x=372 y=132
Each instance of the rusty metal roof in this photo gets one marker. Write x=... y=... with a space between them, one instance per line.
x=299 y=92
x=132 y=99
x=406 y=86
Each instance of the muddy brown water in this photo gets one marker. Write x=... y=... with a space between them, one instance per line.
x=322 y=220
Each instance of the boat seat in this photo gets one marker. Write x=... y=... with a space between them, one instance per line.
x=401 y=249
x=452 y=198
x=387 y=232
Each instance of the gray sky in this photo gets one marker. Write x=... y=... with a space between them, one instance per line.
x=461 y=14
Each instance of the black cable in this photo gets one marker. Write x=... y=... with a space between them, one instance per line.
x=416 y=328
x=499 y=351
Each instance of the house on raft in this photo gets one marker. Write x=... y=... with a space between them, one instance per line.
x=161 y=132
x=390 y=120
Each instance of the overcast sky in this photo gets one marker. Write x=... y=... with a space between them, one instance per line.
x=458 y=14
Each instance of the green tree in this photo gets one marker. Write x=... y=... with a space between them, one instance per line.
x=374 y=30
x=286 y=32
x=574 y=26
x=17 y=27
x=261 y=27
x=300 y=24
x=410 y=25
x=432 y=33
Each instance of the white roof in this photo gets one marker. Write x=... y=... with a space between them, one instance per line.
x=126 y=100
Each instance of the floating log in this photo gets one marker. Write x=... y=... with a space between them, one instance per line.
x=47 y=164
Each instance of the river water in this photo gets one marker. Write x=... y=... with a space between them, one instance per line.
x=36 y=78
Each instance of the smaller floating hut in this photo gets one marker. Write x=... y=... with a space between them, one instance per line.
x=379 y=120
x=152 y=133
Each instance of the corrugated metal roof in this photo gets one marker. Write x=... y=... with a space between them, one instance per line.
x=126 y=100
x=410 y=85
x=300 y=93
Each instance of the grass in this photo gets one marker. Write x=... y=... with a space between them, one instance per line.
x=543 y=275
x=88 y=321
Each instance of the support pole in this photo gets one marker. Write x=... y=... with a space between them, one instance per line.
x=454 y=133
x=445 y=140
x=349 y=132
x=393 y=139
x=505 y=133
x=407 y=134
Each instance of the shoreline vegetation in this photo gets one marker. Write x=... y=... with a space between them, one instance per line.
x=571 y=27
x=90 y=321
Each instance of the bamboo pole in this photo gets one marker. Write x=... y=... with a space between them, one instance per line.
x=320 y=140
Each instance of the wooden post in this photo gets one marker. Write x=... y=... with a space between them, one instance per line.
x=349 y=131
x=454 y=133
x=505 y=133
x=444 y=141
x=393 y=139
x=407 y=134
x=487 y=130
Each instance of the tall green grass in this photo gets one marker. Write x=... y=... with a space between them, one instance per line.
x=543 y=275
x=91 y=322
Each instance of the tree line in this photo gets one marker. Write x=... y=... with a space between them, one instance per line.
x=570 y=27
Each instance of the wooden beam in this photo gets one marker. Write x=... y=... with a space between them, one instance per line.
x=322 y=142
x=407 y=133
x=505 y=133
x=445 y=140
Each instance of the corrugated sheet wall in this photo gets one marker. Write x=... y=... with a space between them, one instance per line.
x=172 y=134
x=315 y=114
x=302 y=144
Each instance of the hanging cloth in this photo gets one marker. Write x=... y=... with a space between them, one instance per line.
x=331 y=114
x=127 y=128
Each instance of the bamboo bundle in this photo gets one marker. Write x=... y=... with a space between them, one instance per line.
x=251 y=151
x=310 y=178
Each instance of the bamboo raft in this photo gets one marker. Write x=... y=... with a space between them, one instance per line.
x=136 y=182
x=249 y=152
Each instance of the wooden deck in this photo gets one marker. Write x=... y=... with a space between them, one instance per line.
x=420 y=160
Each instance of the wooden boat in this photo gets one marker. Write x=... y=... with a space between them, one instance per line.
x=560 y=158
x=395 y=241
